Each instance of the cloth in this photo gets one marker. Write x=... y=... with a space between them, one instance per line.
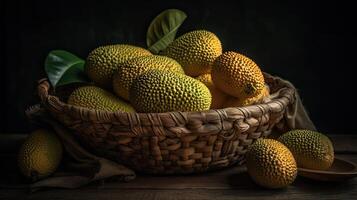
x=79 y=166
x=296 y=116
x=82 y=167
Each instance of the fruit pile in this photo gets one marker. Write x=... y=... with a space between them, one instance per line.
x=191 y=74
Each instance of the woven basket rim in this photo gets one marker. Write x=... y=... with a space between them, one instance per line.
x=57 y=105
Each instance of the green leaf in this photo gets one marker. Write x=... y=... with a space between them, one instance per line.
x=64 y=68
x=163 y=29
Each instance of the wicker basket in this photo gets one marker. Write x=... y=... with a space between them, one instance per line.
x=173 y=142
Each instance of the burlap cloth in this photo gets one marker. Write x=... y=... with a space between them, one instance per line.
x=79 y=167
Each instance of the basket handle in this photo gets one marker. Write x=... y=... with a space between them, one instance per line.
x=43 y=87
x=49 y=101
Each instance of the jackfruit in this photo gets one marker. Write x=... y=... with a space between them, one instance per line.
x=40 y=154
x=238 y=102
x=311 y=149
x=103 y=61
x=163 y=91
x=271 y=164
x=195 y=51
x=237 y=75
x=130 y=69
x=96 y=98
x=218 y=97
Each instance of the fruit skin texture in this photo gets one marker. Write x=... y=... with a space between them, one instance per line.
x=311 y=149
x=129 y=70
x=163 y=91
x=218 y=97
x=40 y=154
x=271 y=164
x=96 y=98
x=103 y=61
x=238 y=102
x=237 y=75
x=195 y=51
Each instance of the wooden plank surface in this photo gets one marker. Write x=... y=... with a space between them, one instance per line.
x=227 y=184
x=233 y=183
x=196 y=194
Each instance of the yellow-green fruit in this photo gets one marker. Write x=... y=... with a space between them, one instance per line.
x=271 y=164
x=129 y=70
x=311 y=149
x=103 y=61
x=218 y=97
x=40 y=154
x=237 y=75
x=163 y=91
x=238 y=102
x=195 y=51
x=96 y=98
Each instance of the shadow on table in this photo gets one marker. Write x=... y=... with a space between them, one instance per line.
x=310 y=185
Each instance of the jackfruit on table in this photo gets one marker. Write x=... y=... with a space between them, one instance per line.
x=40 y=154
x=271 y=164
x=311 y=149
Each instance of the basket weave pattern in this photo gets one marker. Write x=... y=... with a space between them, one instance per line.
x=172 y=142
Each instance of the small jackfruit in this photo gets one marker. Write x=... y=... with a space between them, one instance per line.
x=195 y=51
x=103 y=61
x=40 y=154
x=96 y=98
x=238 y=102
x=218 y=97
x=130 y=69
x=311 y=149
x=237 y=75
x=271 y=164
x=163 y=91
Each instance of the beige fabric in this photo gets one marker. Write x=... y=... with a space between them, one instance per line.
x=79 y=166
x=296 y=116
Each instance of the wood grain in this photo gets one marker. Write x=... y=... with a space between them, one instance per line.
x=300 y=190
x=225 y=184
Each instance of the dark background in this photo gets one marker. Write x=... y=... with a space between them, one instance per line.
x=312 y=44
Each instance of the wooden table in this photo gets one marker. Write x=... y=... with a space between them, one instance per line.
x=231 y=183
